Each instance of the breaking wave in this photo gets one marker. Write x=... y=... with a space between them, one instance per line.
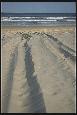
x=22 y=21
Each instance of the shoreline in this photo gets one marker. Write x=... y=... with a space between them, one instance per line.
x=39 y=26
x=42 y=26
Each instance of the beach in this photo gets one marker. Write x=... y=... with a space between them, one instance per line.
x=38 y=69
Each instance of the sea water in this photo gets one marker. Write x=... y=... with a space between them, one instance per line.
x=39 y=19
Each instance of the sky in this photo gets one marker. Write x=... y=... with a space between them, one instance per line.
x=38 y=7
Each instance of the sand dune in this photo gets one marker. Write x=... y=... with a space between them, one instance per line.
x=38 y=71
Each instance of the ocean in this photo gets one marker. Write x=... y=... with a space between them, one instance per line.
x=38 y=19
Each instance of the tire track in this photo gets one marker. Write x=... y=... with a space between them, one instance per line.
x=64 y=64
x=26 y=94
x=36 y=96
x=6 y=92
x=54 y=48
x=19 y=80
x=60 y=68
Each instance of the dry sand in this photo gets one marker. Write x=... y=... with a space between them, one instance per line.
x=38 y=70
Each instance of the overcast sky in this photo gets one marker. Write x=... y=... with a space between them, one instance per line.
x=38 y=7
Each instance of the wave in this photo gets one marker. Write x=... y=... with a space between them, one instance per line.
x=70 y=20
x=38 y=19
x=27 y=20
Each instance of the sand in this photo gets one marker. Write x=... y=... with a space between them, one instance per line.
x=38 y=70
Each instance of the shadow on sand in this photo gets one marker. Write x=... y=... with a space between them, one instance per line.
x=36 y=102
